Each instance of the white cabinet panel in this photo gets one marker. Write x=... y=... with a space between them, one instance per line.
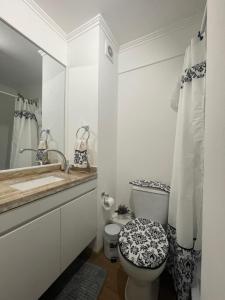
x=25 y=213
x=78 y=226
x=30 y=258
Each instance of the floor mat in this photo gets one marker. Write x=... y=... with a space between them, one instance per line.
x=85 y=284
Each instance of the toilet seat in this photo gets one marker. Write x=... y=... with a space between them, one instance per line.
x=143 y=243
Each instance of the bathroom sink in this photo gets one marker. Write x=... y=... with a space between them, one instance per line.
x=31 y=184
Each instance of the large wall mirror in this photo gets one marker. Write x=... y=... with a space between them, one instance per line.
x=32 y=92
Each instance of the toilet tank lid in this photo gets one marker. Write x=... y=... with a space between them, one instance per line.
x=151 y=184
x=148 y=190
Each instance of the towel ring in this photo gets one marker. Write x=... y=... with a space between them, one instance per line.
x=86 y=130
x=46 y=131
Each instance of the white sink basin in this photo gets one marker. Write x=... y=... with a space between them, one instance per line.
x=32 y=184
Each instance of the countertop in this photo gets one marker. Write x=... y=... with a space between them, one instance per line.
x=11 y=198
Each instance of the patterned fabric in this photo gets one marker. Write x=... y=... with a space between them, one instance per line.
x=41 y=156
x=80 y=158
x=144 y=243
x=151 y=184
x=197 y=71
x=186 y=195
x=25 y=133
x=181 y=264
x=25 y=114
x=29 y=101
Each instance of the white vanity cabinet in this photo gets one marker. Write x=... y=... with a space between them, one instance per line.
x=30 y=258
x=78 y=226
x=39 y=240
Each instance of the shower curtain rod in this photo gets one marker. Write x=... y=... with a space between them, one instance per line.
x=203 y=24
x=8 y=94
x=16 y=96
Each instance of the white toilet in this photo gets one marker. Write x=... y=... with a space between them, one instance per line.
x=143 y=245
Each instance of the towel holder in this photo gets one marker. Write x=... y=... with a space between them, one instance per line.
x=86 y=129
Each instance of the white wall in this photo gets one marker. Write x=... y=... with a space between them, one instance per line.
x=146 y=124
x=213 y=244
x=107 y=125
x=92 y=100
x=82 y=102
x=160 y=46
x=19 y=15
x=53 y=101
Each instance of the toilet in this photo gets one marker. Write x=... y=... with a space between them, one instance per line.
x=143 y=245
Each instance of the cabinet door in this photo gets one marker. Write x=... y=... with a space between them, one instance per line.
x=78 y=226
x=30 y=258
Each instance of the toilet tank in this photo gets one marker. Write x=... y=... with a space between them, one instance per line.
x=150 y=204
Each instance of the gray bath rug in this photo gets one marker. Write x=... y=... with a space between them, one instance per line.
x=85 y=284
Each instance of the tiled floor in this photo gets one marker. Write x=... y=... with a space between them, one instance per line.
x=114 y=285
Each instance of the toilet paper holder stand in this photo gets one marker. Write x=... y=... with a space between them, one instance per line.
x=105 y=198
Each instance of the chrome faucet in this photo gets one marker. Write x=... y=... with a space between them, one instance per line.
x=65 y=164
x=39 y=162
x=27 y=149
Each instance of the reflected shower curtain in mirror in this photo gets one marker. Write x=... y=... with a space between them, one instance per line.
x=185 y=207
x=25 y=133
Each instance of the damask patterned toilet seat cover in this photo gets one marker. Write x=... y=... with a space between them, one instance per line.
x=144 y=243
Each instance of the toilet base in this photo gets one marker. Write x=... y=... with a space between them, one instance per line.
x=143 y=290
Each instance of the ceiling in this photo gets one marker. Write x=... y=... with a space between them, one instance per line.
x=128 y=19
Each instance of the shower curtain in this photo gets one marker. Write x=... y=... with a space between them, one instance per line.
x=25 y=133
x=185 y=205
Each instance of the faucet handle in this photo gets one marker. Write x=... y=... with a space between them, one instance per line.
x=68 y=166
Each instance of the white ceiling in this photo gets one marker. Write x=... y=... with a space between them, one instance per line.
x=128 y=19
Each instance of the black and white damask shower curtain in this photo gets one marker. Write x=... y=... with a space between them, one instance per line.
x=25 y=133
x=185 y=207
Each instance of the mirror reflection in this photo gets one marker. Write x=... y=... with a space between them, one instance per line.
x=32 y=89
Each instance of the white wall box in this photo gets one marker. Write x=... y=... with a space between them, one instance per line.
x=109 y=51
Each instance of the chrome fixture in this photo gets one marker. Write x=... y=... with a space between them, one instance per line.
x=31 y=149
x=105 y=197
x=65 y=163
x=86 y=129
x=27 y=149
x=47 y=131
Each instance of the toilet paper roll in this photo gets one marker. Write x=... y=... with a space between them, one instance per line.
x=108 y=203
